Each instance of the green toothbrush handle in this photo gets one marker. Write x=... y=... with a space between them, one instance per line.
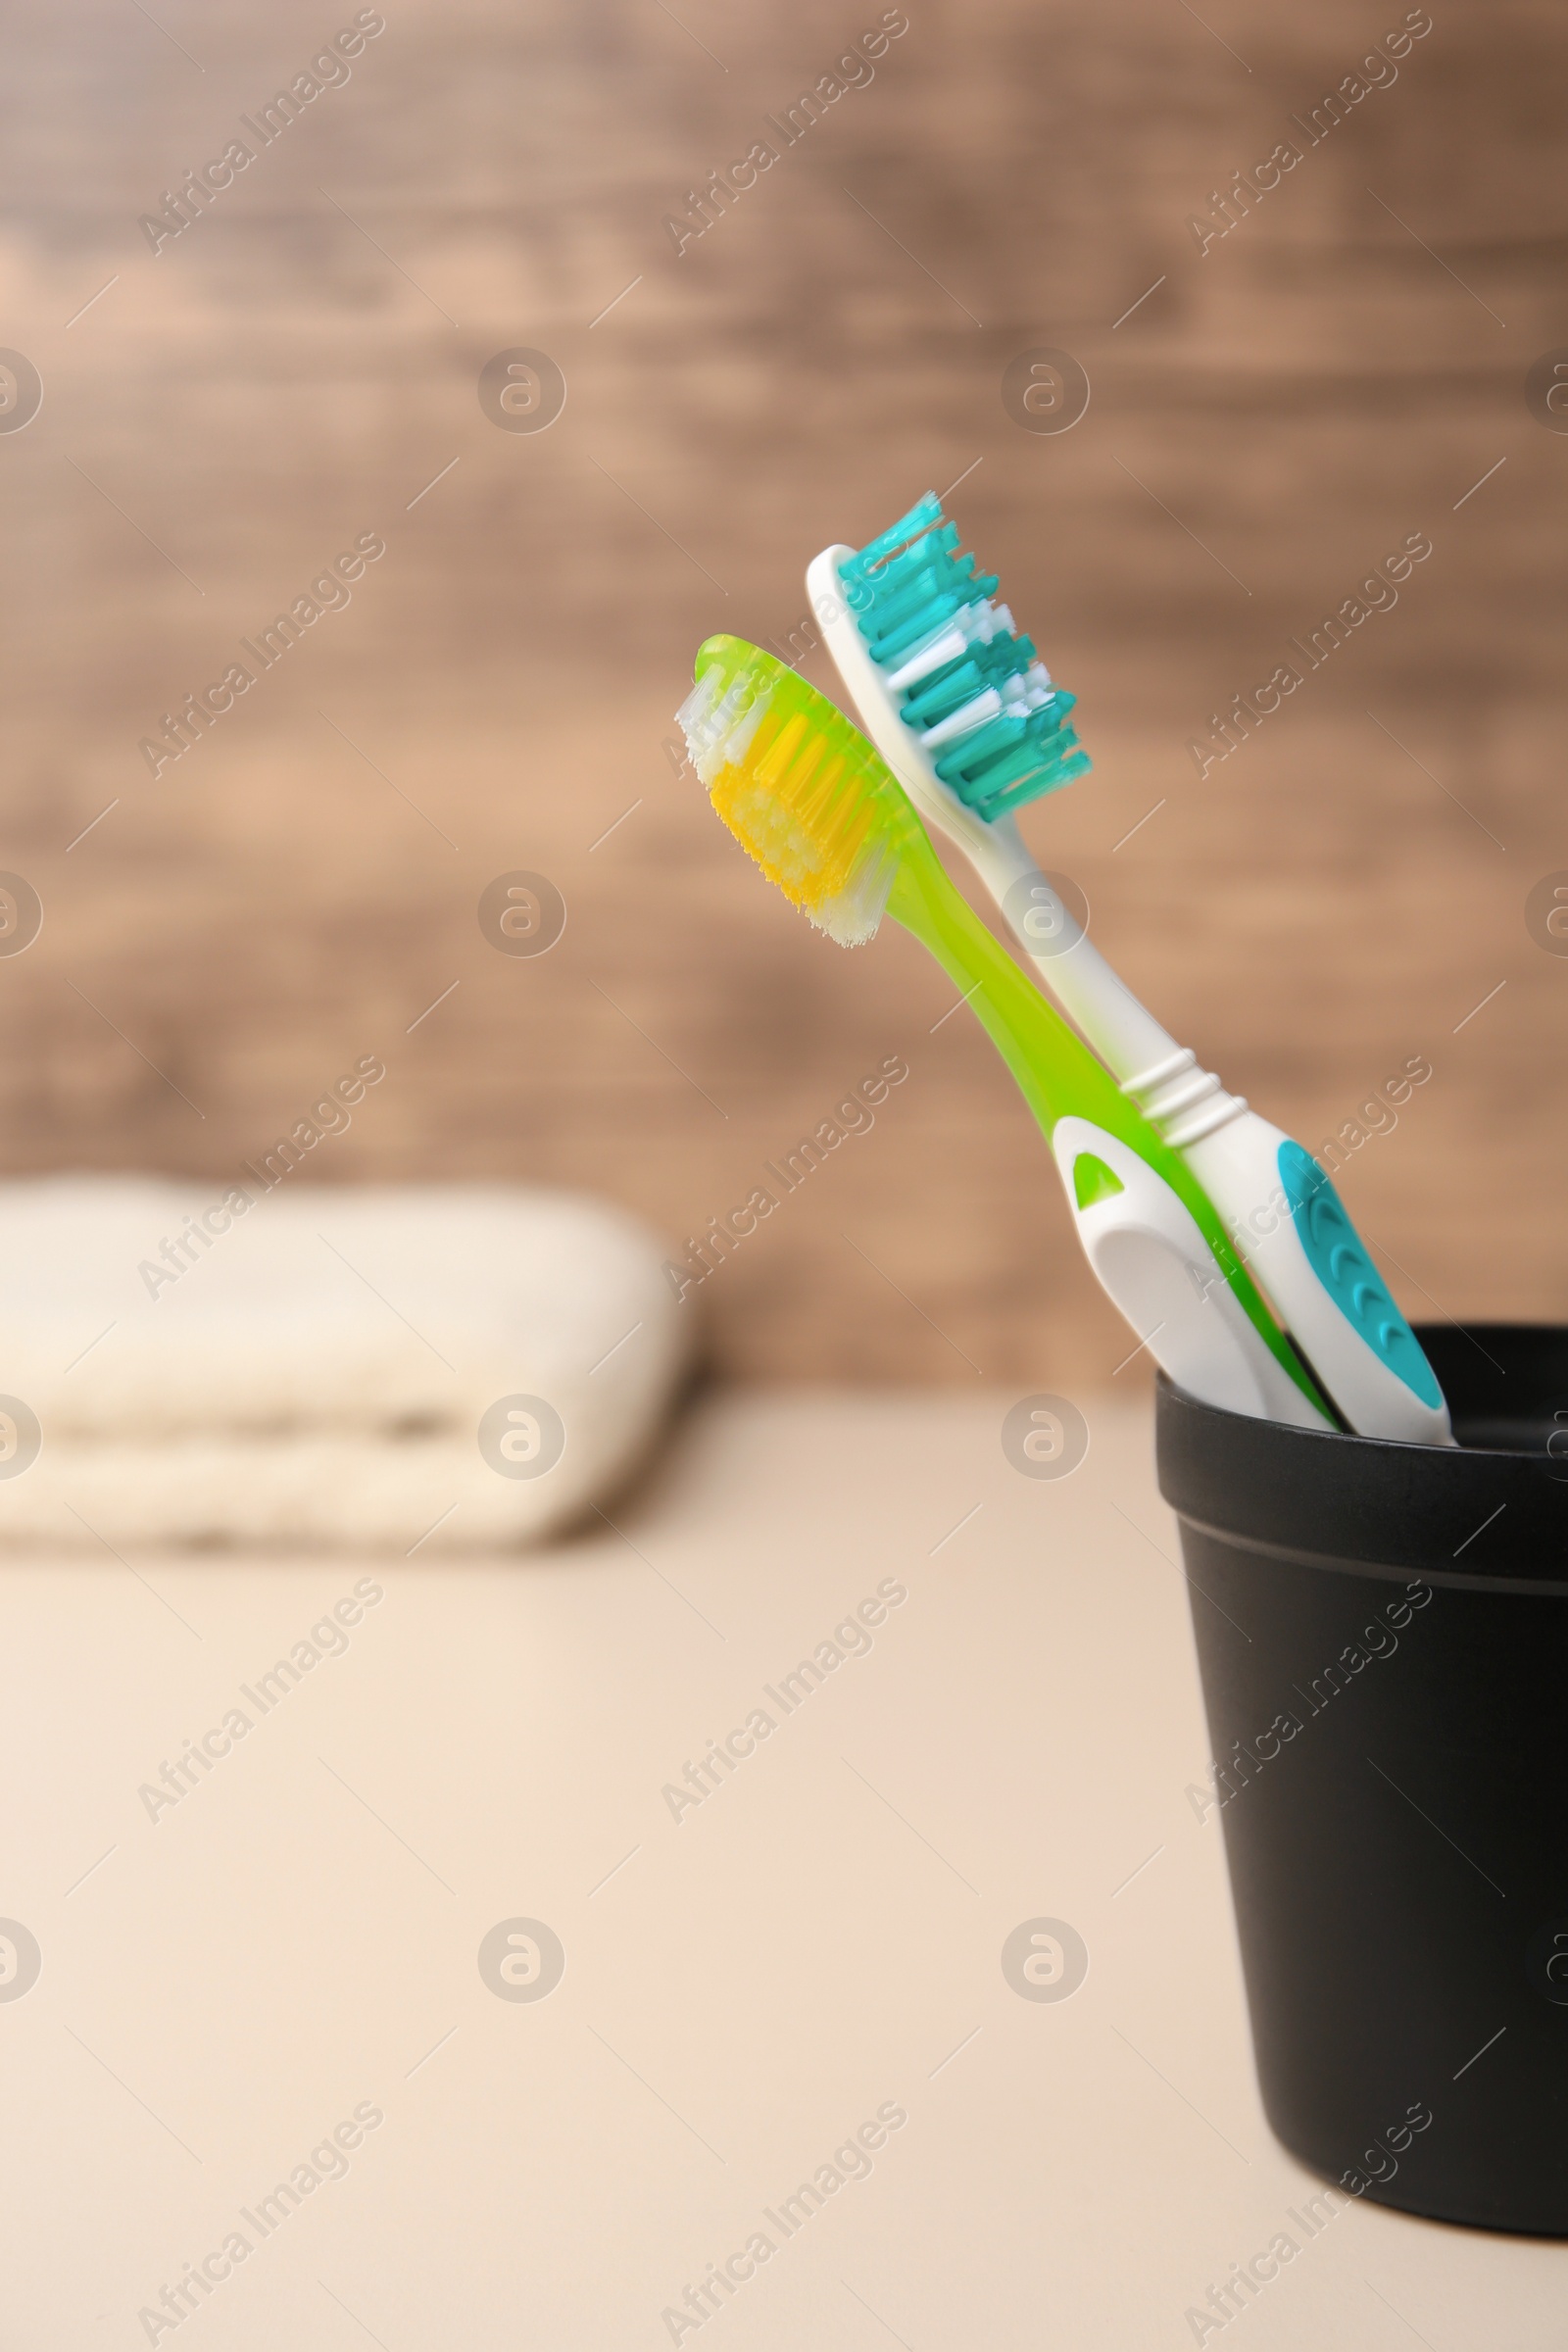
x=1056 y=1072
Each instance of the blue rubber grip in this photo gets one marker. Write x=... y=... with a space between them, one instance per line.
x=1340 y=1260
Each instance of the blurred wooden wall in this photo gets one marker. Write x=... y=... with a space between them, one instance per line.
x=1276 y=414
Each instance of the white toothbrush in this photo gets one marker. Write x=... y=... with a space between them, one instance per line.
x=972 y=725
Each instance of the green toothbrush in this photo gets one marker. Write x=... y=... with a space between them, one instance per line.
x=826 y=820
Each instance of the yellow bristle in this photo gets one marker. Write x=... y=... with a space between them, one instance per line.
x=802 y=793
x=770 y=768
x=815 y=808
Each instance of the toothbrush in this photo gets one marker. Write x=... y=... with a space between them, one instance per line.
x=972 y=725
x=828 y=822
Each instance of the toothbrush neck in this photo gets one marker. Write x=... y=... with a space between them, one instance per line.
x=1182 y=1101
x=1056 y=1072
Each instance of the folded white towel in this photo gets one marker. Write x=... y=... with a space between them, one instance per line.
x=331 y=1366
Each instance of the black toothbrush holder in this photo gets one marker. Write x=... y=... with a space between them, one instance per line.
x=1382 y=1633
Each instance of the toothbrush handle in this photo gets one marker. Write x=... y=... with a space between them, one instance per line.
x=1166 y=1081
x=1123 y=1031
x=1154 y=1263
x=1056 y=1071
x=1289 y=1222
x=1061 y=1079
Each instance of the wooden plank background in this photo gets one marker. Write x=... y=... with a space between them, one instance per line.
x=1276 y=414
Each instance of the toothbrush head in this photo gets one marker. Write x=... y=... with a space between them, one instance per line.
x=979 y=705
x=798 y=787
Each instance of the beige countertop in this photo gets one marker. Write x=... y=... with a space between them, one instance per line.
x=752 y=1979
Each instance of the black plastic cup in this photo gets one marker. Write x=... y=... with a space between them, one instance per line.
x=1383 y=1636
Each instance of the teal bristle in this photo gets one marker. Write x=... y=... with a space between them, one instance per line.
x=949 y=688
x=920 y=518
x=906 y=589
